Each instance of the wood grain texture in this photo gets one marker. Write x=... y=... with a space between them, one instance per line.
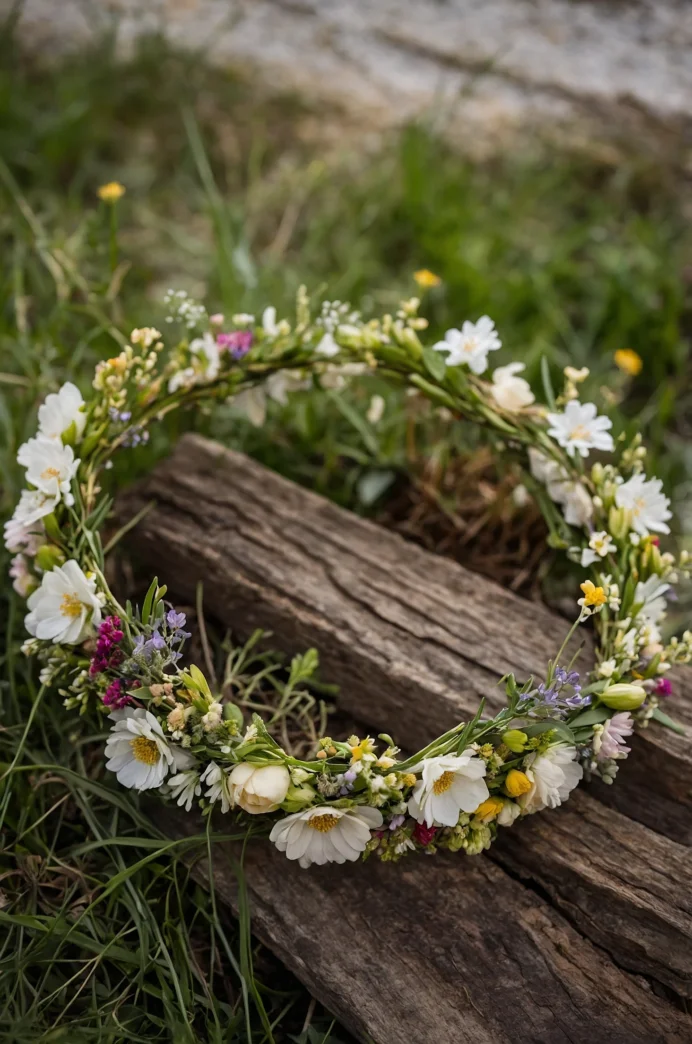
x=441 y=950
x=414 y=641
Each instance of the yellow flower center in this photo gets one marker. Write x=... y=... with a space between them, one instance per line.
x=638 y=506
x=145 y=750
x=442 y=785
x=49 y=473
x=323 y=823
x=71 y=605
x=580 y=432
x=471 y=344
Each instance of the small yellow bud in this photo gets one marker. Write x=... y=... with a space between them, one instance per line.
x=515 y=739
x=321 y=754
x=517 y=783
x=489 y=809
x=408 y=779
x=623 y=696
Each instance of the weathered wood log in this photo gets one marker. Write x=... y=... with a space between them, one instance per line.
x=414 y=641
x=443 y=950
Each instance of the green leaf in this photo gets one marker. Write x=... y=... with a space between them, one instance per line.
x=434 y=363
x=547 y=382
x=149 y=600
x=592 y=716
x=663 y=719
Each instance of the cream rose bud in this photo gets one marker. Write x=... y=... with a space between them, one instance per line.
x=509 y=391
x=258 y=788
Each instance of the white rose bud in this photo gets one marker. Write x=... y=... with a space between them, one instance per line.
x=258 y=788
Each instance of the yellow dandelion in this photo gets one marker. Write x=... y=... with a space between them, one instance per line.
x=592 y=595
x=627 y=360
x=111 y=192
x=426 y=279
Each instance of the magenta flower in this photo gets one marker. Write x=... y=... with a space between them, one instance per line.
x=107 y=654
x=115 y=695
x=423 y=834
x=238 y=342
x=663 y=687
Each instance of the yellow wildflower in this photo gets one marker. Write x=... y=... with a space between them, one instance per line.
x=426 y=279
x=111 y=192
x=517 y=783
x=489 y=809
x=408 y=779
x=627 y=360
x=593 y=595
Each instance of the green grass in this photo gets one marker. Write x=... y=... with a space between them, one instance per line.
x=239 y=197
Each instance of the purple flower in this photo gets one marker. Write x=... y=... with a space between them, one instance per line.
x=558 y=700
x=237 y=343
x=106 y=653
x=175 y=620
x=663 y=687
x=396 y=821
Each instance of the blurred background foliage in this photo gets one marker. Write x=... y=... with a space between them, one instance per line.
x=238 y=196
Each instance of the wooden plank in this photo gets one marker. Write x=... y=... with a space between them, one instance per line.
x=439 y=950
x=384 y=615
x=399 y=629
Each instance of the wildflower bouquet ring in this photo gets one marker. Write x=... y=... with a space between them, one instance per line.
x=171 y=733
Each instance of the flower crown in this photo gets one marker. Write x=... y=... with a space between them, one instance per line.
x=172 y=734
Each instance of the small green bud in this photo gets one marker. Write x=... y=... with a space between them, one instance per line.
x=619 y=522
x=69 y=435
x=515 y=739
x=623 y=696
x=48 y=557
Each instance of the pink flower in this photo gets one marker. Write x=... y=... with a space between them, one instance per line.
x=610 y=743
x=238 y=342
x=423 y=834
x=663 y=687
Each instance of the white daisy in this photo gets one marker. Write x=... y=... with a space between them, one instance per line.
x=650 y=507
x=258 y=788
x=509 y=391
x=65 y=608
x=60 y=411
x=326 y=834
x=577 y=506
x=602 y=543
x=450 y=784
x=24 y=531
x=580 y=429
x=50 y=467
x=553 y=776
x=650 y=594
x=185 y=787
x=471 y=344
x=139 y=753
x=216 y=779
